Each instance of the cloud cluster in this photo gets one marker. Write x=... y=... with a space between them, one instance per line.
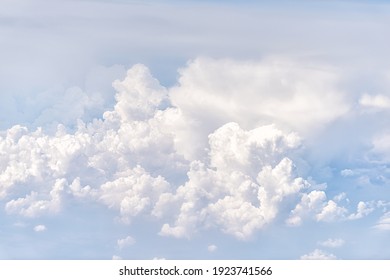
x=218 y=150
x=316 y=205
x=242 y=187
x=101 y=159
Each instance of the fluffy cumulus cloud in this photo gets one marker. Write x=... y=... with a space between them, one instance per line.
x=32 y=206
x=242 y=187
x=363 y=209
x=277 y=90
x=133 y=191
x=316 y=205
x=101 y=159
x=217 y=151
x=139 y=95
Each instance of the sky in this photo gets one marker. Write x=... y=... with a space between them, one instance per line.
x=194 y=129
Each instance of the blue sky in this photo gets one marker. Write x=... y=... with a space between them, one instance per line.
x=194 y=130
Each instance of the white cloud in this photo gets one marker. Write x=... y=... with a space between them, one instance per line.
x=125 y=242
x=331 y=212
x=318 y=254
x=137 y=144
x=384 y=222
x=310 y=202
x=381 y=147
x=347 y=172
x=340 y=197
x=132 y=192
x=67 y=109
x=378 y=101
x=33 y=206
x=383 y=204
x=315 y=205
x=187 y=164
x=98 y=156
x=77 y=190
x=363 y=209
x=139 y=95
x=115 y=257
x=212 y=248
x=237 y=217
x=234 y=149
x=242 y=189
x=332 y=243
x=40 y=228
x=213 y=92
x=17 y=163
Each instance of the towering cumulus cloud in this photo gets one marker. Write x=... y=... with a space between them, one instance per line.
x=242 y=186
x=219 y=150
x=297 y=96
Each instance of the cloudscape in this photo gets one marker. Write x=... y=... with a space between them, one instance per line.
x=194 y=130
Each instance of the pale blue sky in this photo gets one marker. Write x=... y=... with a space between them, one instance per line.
x=152 y=166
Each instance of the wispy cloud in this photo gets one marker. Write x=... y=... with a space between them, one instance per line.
x=318 y=254
x=332 y=243
x=40 y=228
x=125 y=242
